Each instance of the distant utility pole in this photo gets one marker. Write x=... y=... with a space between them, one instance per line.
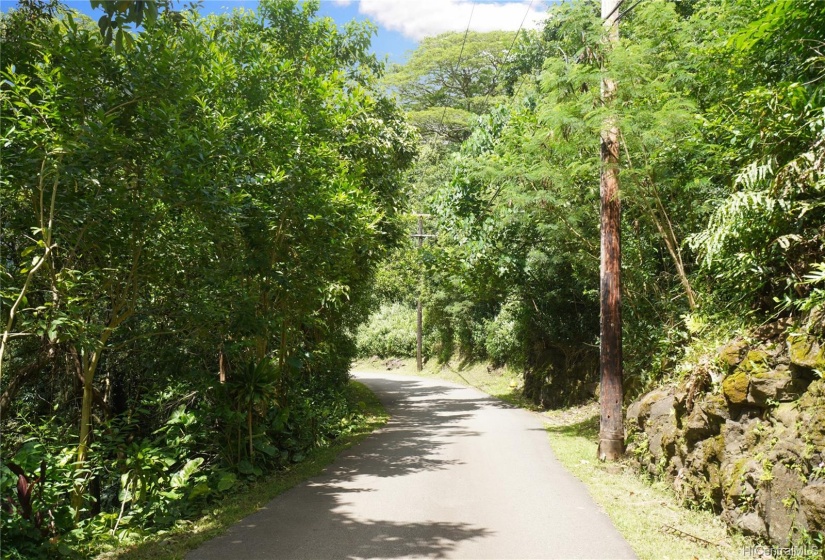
x=419 y=337
x=611 y=426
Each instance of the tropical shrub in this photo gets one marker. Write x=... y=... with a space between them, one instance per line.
x=389 y=332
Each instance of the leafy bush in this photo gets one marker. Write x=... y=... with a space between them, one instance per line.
x=504 y=336
x=390 y=332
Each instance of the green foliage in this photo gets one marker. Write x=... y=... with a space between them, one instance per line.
x=441 y=95
x=119 y=16
x=208 y=199
x=763 y=241
x=389 y=332
x=503 y=336
x=720 y=113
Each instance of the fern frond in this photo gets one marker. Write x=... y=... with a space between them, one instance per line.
x=817 y=275
x=755 y=174
x=733 y=217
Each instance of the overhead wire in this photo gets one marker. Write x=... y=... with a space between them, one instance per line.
x=618 y=5
x=512 y=44
x=613 y=11
x=627 y=11
x=460 y=54
x=521 y=83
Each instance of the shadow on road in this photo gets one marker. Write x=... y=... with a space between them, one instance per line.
x=316 y=520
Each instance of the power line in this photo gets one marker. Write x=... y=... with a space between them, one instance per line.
x=507 y=56
x=613 y=11
x=466 y=31
x=460 y=54
x=518 y=89
x=627 y=11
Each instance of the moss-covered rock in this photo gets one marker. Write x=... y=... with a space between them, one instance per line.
x=733 y=438
x=778 y=502
x=735 y=387
x=813 y=425
x=715 y=408
x=787 y=414
x=662 y=409
x=805 y=352
x=755 y=360
x=663 y=442
x=756 y=432
x=639 y=411
x=815 y=323
x=812 y=502
x=732 y=354
x=699 y=481
x=746 y=451
x=740 y=479
x=814 y=396
x=697 y=426
x=773 y=386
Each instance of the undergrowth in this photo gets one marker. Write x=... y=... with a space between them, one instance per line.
x=186 y=535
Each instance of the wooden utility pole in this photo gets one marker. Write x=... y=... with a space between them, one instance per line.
x=419 y=335
x=611 y=427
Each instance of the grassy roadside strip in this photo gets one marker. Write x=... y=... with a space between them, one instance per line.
x=187 y=535
x=649 y=515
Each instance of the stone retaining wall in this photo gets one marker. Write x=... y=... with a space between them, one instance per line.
x=744 y=435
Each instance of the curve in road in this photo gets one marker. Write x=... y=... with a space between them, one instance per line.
x=454 y=474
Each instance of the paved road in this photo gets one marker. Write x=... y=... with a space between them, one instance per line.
x=454 y=474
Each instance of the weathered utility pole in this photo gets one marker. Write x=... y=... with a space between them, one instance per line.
x=611 y=427
x=419 y=336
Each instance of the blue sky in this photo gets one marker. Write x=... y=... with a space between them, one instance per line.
x=401 y=23
x=385 y=43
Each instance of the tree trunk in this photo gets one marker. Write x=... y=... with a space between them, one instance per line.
x=88 y=368
x=249 y=431
x=672 y=245
x=283 y=380
x=46 y=232
x=88 y=371
x=611 y=427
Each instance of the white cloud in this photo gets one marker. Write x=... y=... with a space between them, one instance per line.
x=417 y=19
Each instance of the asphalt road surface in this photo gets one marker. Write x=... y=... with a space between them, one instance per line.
x=454 y=474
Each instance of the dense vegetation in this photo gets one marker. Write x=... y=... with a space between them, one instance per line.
x=720 y=107
x=197 y=217
x=191 y=217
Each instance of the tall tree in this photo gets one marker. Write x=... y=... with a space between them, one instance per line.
x=451 y=78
